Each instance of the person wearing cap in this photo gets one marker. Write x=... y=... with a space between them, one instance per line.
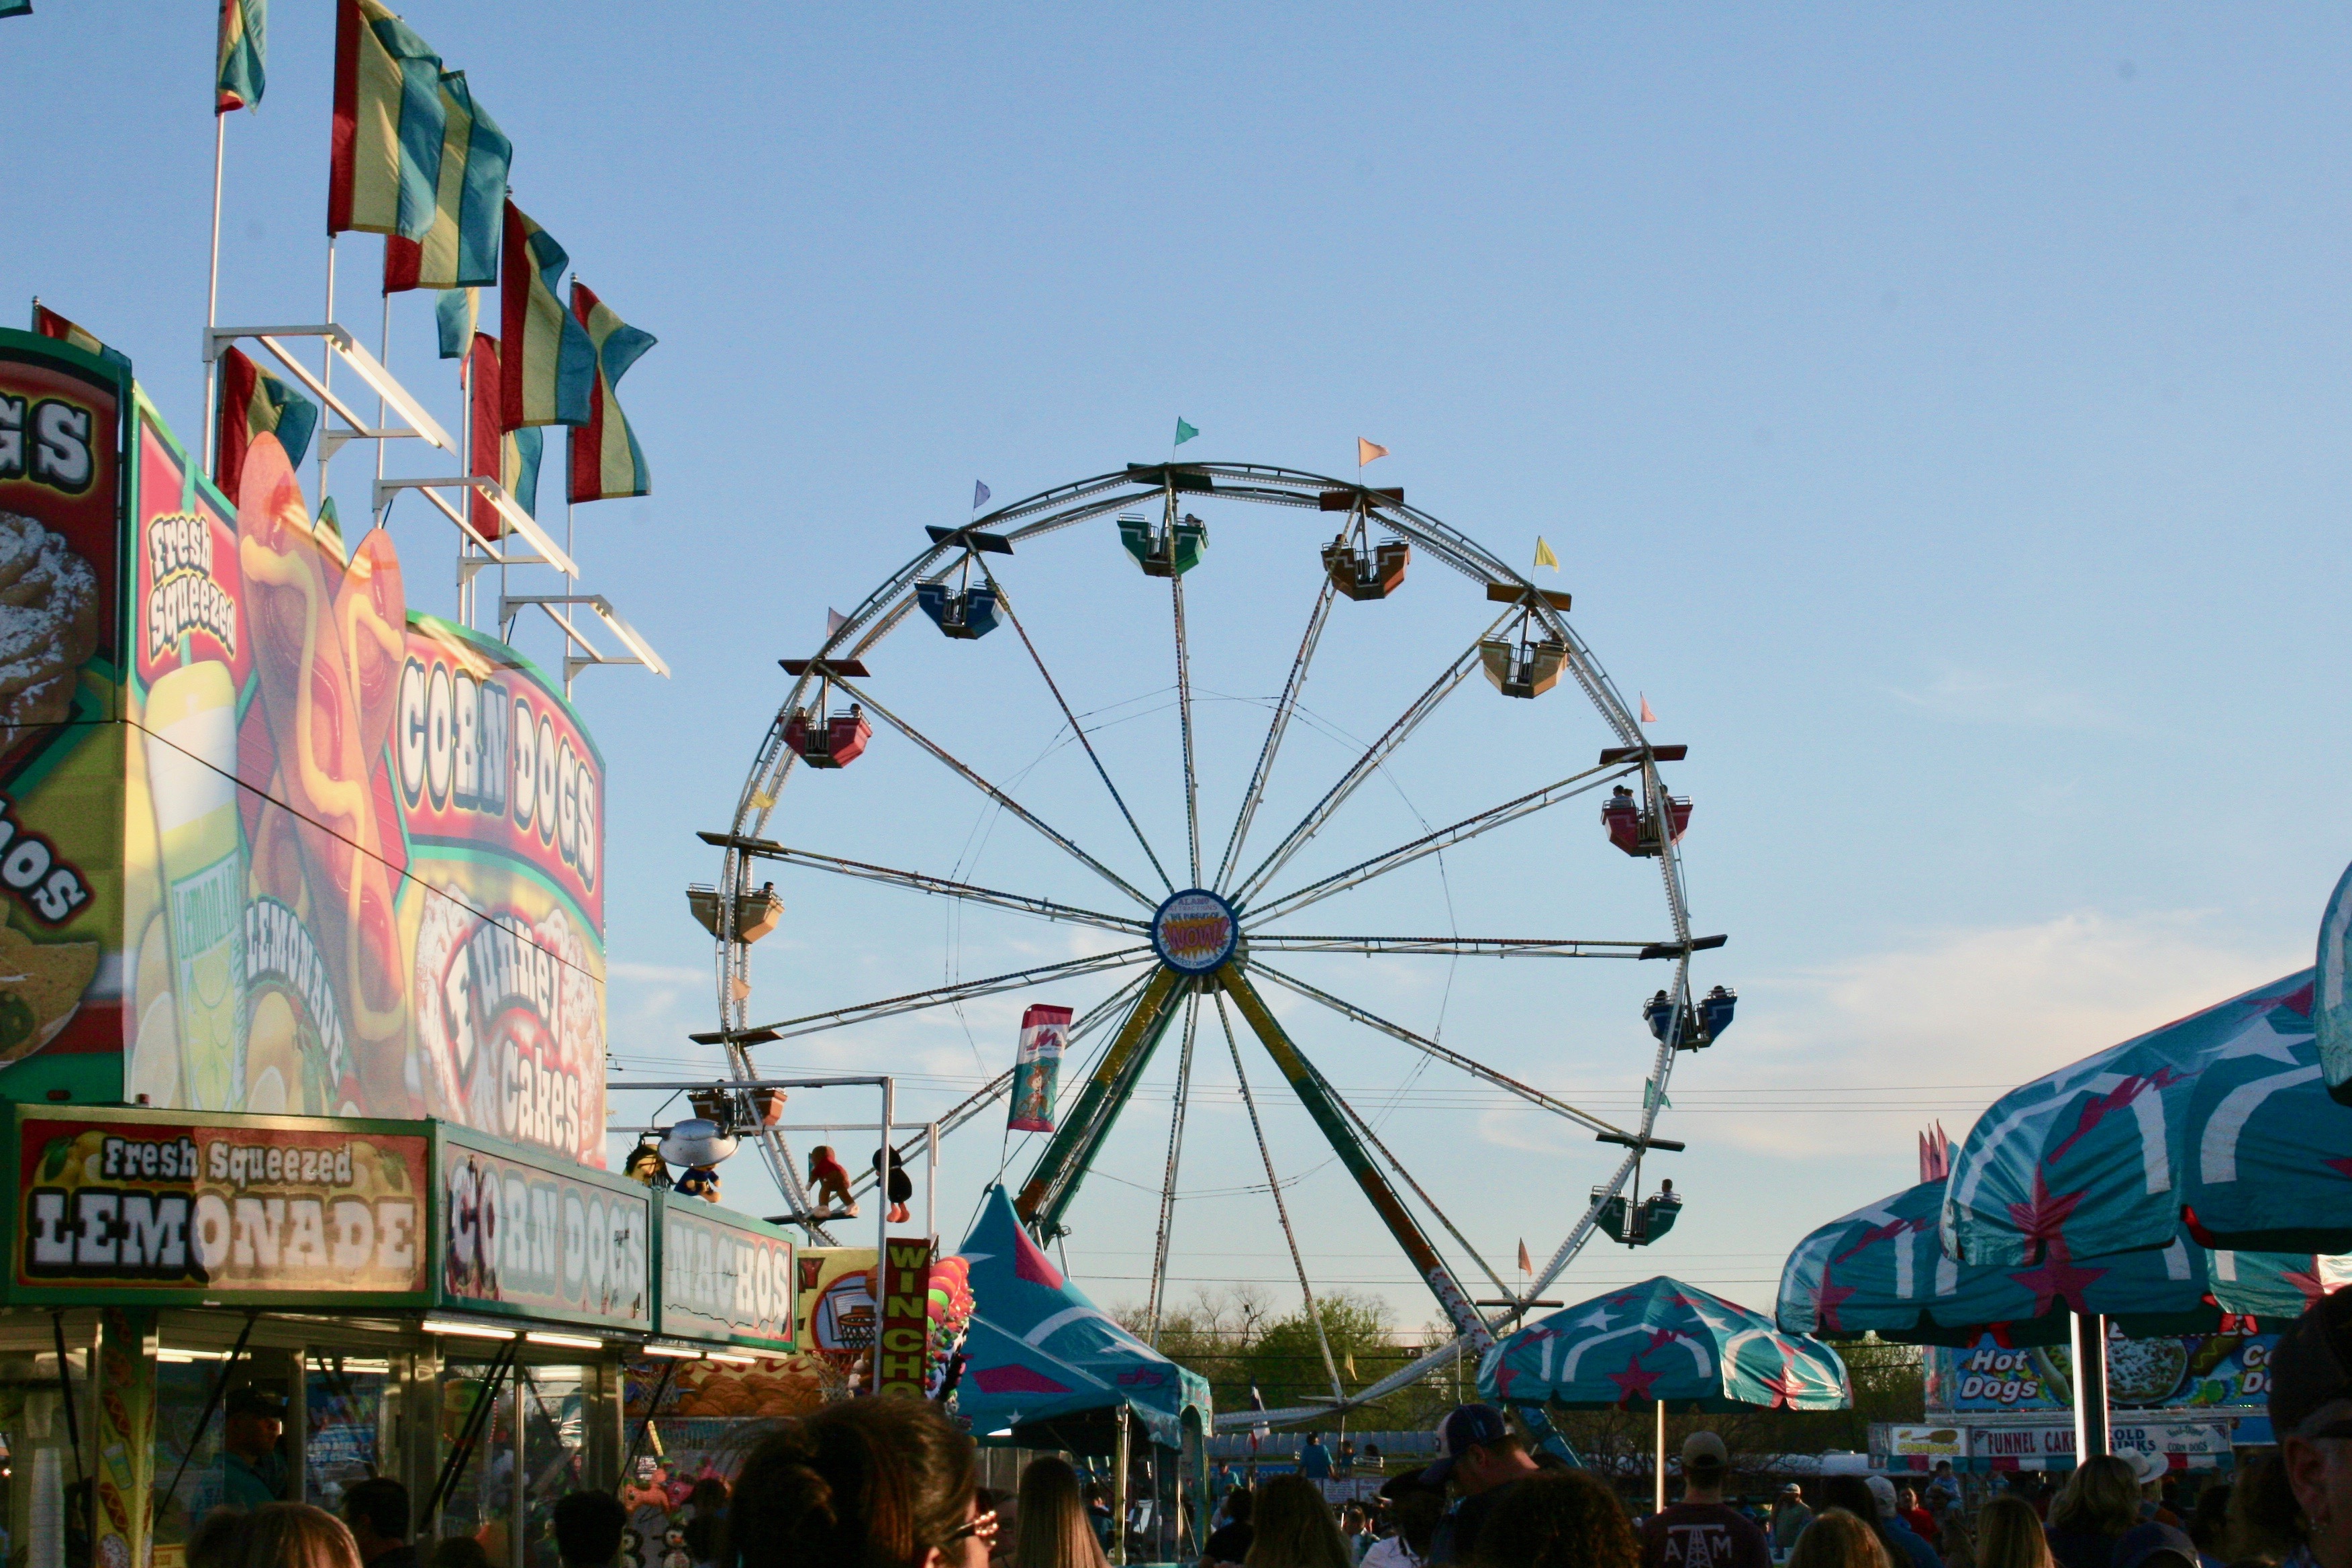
x=1700 y=1531
x=1478 y=1456
x=253 y=1472
x=2155 y=1546
x=1891 y=1529
x=1789 y=1517
x=1416 y=1508
x=2306 y=1496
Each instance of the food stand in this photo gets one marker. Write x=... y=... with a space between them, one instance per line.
x=302 y=1014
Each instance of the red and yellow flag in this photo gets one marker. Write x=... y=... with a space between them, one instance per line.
x=255 y=403
x=242 y=72
x=509 y=456
x=606 y=462
x=548 y=366
x=385 y=171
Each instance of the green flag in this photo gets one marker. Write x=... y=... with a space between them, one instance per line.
x=1183 y=432
x=1650 y=1096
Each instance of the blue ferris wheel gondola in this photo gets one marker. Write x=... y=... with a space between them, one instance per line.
x=971 y=614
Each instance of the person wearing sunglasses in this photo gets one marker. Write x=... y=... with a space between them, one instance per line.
x=866 y=1483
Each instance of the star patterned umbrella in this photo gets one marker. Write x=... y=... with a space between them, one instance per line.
x=1662 y=1343
x=1879 y=1269
x=2220 y=1119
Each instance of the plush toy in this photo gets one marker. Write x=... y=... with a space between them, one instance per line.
x=830 y=1181
x=644 y=1164
x=698 y=1145
x=900 y=1187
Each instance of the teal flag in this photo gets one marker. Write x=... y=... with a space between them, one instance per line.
x=1183 y=432
x=454 y=315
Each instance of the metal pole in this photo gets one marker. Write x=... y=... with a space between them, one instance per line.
x=1118 y=1492
x=931 y=1183
x=326 y=373
x=1661 y=1487
x=212 y=302
x=882 y=1226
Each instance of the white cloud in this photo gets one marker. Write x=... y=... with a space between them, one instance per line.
x=1985 y=697
x=1993 y=1006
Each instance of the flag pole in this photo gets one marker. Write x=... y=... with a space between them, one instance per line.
x=206 y=456
x=327 y=369
x=383 y=358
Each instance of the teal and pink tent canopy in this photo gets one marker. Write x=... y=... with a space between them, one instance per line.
x=1663 y=1341
x=1038 y=1352
x=1880 y=1269
x=2219 y=1121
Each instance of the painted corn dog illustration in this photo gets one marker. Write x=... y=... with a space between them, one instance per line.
x=315 y=717
x=371 y=617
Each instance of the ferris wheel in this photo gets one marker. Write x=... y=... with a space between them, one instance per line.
x=1185 y=870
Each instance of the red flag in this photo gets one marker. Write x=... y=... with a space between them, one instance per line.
x=1647 y=716
x=1525 y=1267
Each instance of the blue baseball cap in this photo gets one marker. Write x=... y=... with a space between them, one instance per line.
x=1465 y=1426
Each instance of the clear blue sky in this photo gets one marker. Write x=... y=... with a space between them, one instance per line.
x=1938 y=414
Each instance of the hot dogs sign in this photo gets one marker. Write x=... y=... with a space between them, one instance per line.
x=350 y=855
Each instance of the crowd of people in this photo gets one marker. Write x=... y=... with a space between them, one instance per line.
x=889 y=1483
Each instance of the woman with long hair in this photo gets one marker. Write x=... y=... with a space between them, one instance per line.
x=2099 y=1501
x=1562 y=1518
x=866 y=1483
x=1853 y=1493
x=1054 y=1530
x=1836 y=1538
x=295 y=1535
x=2009 y=1535
x=1291 y=1527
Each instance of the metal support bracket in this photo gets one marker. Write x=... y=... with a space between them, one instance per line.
x=510 y=511
x=365 y=366
x=588 y=656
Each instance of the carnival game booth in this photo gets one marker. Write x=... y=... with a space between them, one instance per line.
x=1047 y=1368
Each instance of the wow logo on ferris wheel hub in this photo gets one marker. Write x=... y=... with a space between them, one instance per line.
x=1195 y=931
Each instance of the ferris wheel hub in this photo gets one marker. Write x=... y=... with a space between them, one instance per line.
x=1195 y=931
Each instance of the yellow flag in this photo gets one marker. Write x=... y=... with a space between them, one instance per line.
x=1366 y=450
x=1544 y=557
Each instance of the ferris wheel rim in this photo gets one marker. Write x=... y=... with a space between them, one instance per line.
x=1066 y=506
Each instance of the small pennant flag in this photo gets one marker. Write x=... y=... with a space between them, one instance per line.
x=606 y=461
x=509 y=456
x=833 y=620
x=1651 y=1097
x=456 y=314
x=980 y=494
x=1044 y=1034
x=1647 y=716
x=243 y=54
x=49 y=324
x=385 y=166
x=1366 y=451
x=1184 y=432
x=1526 y=1264
x=1347 y=1363
x=544 y=356
x=255 y=403
x=461 y=247
x=1544 y=557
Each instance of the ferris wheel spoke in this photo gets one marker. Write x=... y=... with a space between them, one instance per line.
x=923 y=882
x=1374 y=754
x=1444 y=837
x=1175 y=1158
x=1456 y=946
x=1054 y=1181
x=1430 y=1048
x=1005 y=603
x=996 y=794
x=1324 y=1105
x=916 y=1001
x=1281 y=1208
x=971 y=1105
x=1276 y=727
x=1184 y=714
